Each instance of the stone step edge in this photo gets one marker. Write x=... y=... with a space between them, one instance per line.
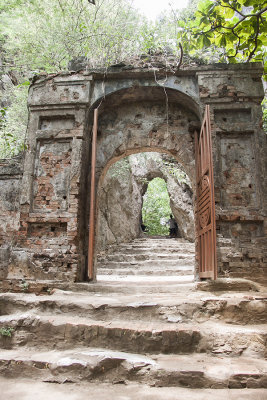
x=195 y=298
x=140 y=271
x=176 y=250
x=61 y=332
x=195 y=371
x=46 y=286
x=136 y=325
x=138 y=257
x=150 y=255
x=159 y=265
x=103 y=286
x=212 y=307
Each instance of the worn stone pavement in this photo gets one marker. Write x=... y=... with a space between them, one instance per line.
x=25 y=389
x=145 y=330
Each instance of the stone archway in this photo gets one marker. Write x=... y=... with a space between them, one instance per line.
x=144 y=119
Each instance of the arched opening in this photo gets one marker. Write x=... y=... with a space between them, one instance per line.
x=138 y=120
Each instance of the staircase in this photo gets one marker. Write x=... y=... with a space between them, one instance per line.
x=143 y=331
x=149 y=260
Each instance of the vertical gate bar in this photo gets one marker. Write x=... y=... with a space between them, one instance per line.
x=198 y=244
x=91 y=243
x=202 y=157
x=206 y=262
x=210 y=250
x=202 y=252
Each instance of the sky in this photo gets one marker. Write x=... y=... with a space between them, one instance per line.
x=151 y=8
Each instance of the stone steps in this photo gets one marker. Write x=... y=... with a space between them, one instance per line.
x=153 y=257
x=148 y=263
x=235 y=309
x=138 y=270
x=171 y=245
x=156 y=248
x=144 y=324
x=157 y=251
x=147 y=256
x=98 y=365
x=149 y=283
x=64 y=332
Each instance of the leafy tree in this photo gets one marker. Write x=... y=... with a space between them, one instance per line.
x=13 y=121
x=156 y=207
x=228 y=31
x=237 y=29
x=46 y=35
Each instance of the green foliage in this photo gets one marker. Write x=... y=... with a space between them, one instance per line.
x=24 y=286
x=13 y=121
x=6 y=331
x=156 y=207
x=46 y=35
x=235 y=28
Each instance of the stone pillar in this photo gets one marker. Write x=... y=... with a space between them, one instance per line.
x=234 y=94
x=52 y=176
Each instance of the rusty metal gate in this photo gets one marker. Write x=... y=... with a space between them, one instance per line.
x=205 y=204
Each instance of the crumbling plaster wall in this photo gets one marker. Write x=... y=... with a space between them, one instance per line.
x=51 y=239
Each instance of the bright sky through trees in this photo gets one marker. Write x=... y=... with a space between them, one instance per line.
x=152 y=8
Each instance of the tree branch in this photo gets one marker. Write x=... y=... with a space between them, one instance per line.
x=181 y=56
x=256 y=40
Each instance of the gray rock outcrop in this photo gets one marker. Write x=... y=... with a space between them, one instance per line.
x=121 y=197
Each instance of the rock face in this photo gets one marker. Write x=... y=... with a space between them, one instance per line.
x=120 y=198
x=120 y=202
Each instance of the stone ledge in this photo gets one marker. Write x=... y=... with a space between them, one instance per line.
x=229 y=284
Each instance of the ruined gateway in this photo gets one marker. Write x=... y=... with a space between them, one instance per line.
x=44 y=199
